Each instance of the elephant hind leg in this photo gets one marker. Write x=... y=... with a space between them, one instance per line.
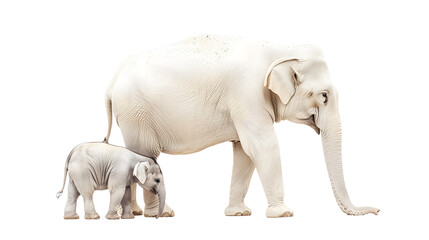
x=86 y=187
x=242 y=172
x=70 y=209
x=88 y=203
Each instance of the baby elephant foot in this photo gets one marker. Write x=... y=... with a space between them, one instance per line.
x=278 y=211
x=92 y=216
x=71 y=216
x=238 y=209
x=112 y=216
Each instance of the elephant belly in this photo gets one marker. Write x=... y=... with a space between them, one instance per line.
x=199 y=141
x=152 y=128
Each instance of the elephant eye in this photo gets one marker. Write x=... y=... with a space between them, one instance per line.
x=157 y=180
x=325 y=95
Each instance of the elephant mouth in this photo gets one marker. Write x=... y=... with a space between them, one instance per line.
x=310 y=121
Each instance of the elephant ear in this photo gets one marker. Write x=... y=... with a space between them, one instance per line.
x=281 y=80
x=140 y=171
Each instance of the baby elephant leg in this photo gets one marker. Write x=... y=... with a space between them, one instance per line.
x=134 y=206
x=116 y=196
x=86 y=190
x=90 y=212
x=126 y=205
x=70 y=209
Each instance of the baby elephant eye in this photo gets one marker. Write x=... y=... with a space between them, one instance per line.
x=324 y=95
x=157 y=180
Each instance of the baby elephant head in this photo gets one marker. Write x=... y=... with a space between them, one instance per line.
x=150 y=177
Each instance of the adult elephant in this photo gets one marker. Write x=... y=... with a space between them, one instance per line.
x=206 y=90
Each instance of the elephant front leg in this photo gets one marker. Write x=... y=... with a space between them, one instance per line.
x=116 y=196
x=259 y=142
x=242 y=172
x=126 y=205
x=152 y=206
x=135 y=208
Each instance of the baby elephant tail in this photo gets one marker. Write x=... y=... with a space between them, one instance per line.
x=65 y=175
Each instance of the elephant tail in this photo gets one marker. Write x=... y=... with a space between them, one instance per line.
x=108 y=103
x=65 y=174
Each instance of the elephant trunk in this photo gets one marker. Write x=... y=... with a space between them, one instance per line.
x=161 y=198
x=331 y=139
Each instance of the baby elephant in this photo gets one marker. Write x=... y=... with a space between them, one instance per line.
x=99 y=166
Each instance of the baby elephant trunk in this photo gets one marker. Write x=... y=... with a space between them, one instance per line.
x=161 y=198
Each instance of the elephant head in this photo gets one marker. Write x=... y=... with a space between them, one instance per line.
x=303 y=93
x=150 y=177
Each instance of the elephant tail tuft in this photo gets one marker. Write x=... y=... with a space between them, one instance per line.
x=59 y=194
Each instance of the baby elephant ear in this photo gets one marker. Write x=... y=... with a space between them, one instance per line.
x=140 y=171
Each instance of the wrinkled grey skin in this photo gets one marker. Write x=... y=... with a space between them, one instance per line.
x=100 y=166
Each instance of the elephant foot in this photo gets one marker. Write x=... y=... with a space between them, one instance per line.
x=164 y=214
x=136 y=210
x=237 y=210
x=92 y=216
x=153 y=212
x=127 y=216
x=71 y=216
x=278 y=211
x=245 y=213
x=112 y=216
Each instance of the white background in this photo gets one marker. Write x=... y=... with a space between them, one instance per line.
x=57 y=58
